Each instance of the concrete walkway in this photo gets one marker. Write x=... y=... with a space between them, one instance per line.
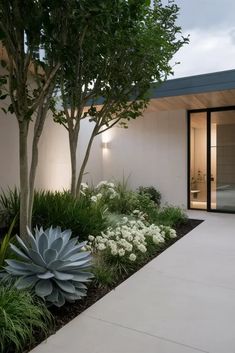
x=181 y=302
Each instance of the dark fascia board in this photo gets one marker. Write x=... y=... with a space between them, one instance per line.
x=216 y=81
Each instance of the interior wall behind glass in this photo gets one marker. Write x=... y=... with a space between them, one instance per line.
x=198 y=160
x=223 y=160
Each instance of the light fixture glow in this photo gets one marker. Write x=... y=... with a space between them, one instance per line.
x=105 y=145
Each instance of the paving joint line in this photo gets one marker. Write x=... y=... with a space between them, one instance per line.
x=146 y=333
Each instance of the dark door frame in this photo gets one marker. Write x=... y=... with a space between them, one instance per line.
x=208 y=112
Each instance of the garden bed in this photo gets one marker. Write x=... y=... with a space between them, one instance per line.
x=69 y=311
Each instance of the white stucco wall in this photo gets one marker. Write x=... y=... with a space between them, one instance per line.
x=152 y=151
x=8 y=151
x=54 y=160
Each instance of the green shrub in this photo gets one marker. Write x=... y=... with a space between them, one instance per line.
x=105 y=275
x=51 y=264
x=171 y=216
x=9 y=206
x=20 y=316
x=147 y=206
x=117 y=197
x=114 y=218
x=5 y=245
x=81 y=215
x=125 y=203
x=120 y=200
x=153 y=194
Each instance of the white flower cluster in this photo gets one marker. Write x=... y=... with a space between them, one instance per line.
x=84 y=188
x=105 y=183
x=168 y=232
x=104 y=189
x=130 y=238
x=96 y=198
x=140 y=215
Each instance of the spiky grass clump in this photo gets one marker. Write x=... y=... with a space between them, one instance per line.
x=171 y=216
x=20 y=316
x=61 y=209
x=9 y=206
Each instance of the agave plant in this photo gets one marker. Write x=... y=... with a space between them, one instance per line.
x=52 y=264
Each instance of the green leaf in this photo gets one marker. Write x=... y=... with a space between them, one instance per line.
x=66 y=286
x=50 y=255
x=57 y=244
x=56 y=264
x=26 y=282
x=18 y=265
x=46 y=275
x=61 y=300
x=73 y=265
x=83 y=277
x=80 y=256
x=37 y=258
x=17 y=272
x=43 y=288
x=63 y=276
x=42 y=243
x=53 y=297
x=19 y=252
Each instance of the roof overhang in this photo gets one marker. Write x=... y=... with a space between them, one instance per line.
x=195 y=92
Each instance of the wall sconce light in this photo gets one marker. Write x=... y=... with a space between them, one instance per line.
x=105 y=145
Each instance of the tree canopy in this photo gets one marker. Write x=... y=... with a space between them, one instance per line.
x=124 y=47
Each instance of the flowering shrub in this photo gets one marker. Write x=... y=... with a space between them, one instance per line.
x=104 y=190
x=130 y=240
x=119 y=199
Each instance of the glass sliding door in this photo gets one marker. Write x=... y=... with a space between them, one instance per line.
x=198 y=160
x=222 y=160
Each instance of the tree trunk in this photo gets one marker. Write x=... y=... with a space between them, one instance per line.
x=38 y=128
x=73 y=149
x=84 y=163
x=24 y=181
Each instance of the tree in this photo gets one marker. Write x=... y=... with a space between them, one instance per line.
x=29 y=81
x=126 y=48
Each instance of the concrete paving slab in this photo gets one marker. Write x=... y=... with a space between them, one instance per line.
x=206 y=255
x=184 y=311
x=191 y=266
x=87 y=335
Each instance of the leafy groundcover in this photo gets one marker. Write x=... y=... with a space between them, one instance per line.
x=69 y=311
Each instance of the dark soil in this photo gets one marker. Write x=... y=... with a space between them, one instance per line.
x=69 y=311
x=3 y=231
